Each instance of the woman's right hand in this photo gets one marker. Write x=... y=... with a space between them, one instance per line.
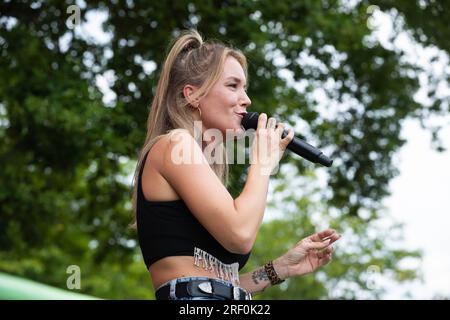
x=268 y=146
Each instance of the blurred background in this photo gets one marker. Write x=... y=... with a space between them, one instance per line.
x=365 y=81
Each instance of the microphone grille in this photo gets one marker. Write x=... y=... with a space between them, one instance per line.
x=250 y=120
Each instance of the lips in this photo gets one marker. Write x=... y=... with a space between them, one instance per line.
x=241 y=114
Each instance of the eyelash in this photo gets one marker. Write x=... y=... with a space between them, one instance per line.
x=234 y=85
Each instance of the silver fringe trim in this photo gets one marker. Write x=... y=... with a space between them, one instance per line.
x=227 y=272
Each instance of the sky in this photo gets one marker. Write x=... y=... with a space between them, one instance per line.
x=421 y=200
x=420 y=194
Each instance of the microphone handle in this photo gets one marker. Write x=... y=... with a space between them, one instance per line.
x=307 y=151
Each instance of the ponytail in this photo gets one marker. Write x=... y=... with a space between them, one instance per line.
x=192 y=61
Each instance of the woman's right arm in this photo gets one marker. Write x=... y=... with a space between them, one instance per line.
x=233 y=223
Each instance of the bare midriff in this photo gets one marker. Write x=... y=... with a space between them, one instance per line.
x=174 y=267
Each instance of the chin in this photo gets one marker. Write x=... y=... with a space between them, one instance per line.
x=237 y=132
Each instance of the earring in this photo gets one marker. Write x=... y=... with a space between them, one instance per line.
x=197 y=107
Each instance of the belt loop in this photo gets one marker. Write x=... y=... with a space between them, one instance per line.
x=172 y=289
x=236 y=293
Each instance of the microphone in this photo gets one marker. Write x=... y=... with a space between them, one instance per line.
x=298 y=146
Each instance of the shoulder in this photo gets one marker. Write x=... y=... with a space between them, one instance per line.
x=172 y=138
x=175 y=147
x=179 y=146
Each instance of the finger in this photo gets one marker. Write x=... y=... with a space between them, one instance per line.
x=317 y=245
x=271 y=123
x=326 y=251
x=322 y=235
x=326 y=259
x=280 y=128
x=289 y=137
x=326 y=256
x=262 y=120
x=325 y=234
x=335 y=237
x=322 y=253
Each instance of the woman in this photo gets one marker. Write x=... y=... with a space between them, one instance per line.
x=193 y=235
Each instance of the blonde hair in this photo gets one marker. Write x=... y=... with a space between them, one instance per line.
x=190 y=61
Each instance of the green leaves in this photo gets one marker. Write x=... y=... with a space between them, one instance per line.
x=65 y=156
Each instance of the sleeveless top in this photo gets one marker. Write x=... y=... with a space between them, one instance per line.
x=168 y=228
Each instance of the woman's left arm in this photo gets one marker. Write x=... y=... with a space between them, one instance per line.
x=305 y=257
x=257 y=281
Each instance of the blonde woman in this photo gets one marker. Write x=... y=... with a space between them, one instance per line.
x=193 y=235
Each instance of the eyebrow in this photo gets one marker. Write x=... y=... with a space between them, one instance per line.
x=237 y=79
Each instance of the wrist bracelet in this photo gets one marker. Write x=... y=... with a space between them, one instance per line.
x=272 y=274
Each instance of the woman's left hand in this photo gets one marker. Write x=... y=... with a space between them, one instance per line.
x=308 y=254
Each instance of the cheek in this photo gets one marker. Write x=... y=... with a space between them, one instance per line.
x=225 y=103
x=230 y=102
x=221 y=111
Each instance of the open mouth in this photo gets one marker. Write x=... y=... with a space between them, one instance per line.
x=241 y=114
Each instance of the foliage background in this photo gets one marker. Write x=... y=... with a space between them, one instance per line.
x=66 y=153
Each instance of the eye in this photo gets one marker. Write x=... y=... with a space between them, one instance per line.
x=234 y=85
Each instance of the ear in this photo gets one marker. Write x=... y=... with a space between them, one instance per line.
x=188 y=90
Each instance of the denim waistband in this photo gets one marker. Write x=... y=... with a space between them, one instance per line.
x=172 y=284
x=187 y=279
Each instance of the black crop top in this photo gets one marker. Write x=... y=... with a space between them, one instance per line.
x=168 y=228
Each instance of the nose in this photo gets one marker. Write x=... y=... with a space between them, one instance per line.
x=246 y=102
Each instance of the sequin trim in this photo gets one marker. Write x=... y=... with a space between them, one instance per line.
x=227 y=272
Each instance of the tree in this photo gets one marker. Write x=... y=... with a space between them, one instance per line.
x=65 y=154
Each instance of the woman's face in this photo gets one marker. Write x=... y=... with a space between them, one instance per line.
x=223 y=106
